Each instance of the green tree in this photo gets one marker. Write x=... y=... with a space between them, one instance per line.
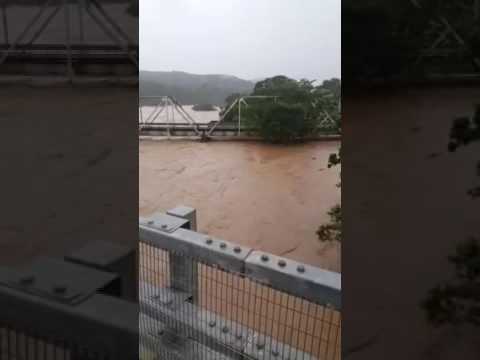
x=319 y=107
x=310 y=106
x=332 y=231
x=232 y=116
x=325 y=106
x=204 y=107
x=458 y=300
x=281 y=122
x=464 y=131
x=333 y=85
x=289 y=90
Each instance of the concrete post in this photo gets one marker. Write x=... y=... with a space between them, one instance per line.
x=184 y=271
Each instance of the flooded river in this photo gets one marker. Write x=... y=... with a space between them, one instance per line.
x=269 y=197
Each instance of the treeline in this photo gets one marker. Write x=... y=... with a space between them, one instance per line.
x=289 y=110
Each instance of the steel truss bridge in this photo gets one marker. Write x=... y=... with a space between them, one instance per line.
x=66 y=37
x=449 y=32
x=178 y=122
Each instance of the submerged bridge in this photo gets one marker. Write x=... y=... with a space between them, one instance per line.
x=199 y=297
x=164 y=116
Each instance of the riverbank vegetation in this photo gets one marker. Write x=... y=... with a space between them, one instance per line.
x=284 y=110
x=332 y=231
x=457 y=301
x=204 y=107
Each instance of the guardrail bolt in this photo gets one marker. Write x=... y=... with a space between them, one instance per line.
x=150 y=222
x=260 y=345
x=237 y=249
x=27 y=280
x=164 y=226
x=265 y=258
x=282 y=263
x=239 y=336
x=59 y=289
x=275 y=353
x=212 y=323
x=225 y=329
x=223 y=245
x=301 y=268
x=208 y=241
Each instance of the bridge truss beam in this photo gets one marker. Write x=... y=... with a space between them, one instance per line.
x=169 y=106
x=24 y=46
x=451 y=27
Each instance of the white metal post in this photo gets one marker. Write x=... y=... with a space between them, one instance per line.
x=184 y=271
x=239 y=115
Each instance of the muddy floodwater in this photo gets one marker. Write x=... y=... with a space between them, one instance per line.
x=268 y=197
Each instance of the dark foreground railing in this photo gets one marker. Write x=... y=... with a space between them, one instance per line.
x=62 y=309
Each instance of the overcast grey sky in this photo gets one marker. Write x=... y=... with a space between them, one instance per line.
x=250 y=39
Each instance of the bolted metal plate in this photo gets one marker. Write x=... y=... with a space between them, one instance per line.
x=309 y=282
x=203 y=248
x=56 y=280
x=263 y=347
x=163 y=222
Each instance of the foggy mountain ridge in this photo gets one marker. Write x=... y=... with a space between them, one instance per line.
x=192 y=88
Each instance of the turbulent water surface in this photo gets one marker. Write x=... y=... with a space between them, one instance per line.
x=268 y=197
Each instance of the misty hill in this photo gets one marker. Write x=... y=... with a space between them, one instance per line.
x=191 y=88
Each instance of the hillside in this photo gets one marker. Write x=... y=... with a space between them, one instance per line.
x=191 y=88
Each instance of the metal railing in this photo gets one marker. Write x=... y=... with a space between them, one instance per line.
x=205 y=298
x=61 y=309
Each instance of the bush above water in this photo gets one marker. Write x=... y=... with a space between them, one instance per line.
x=204 y=107
x=280 y=122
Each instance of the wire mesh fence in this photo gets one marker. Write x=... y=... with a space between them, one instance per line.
x=231 y=313
x=16 y=344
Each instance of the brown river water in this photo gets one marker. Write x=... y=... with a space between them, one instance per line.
x=268 y=197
